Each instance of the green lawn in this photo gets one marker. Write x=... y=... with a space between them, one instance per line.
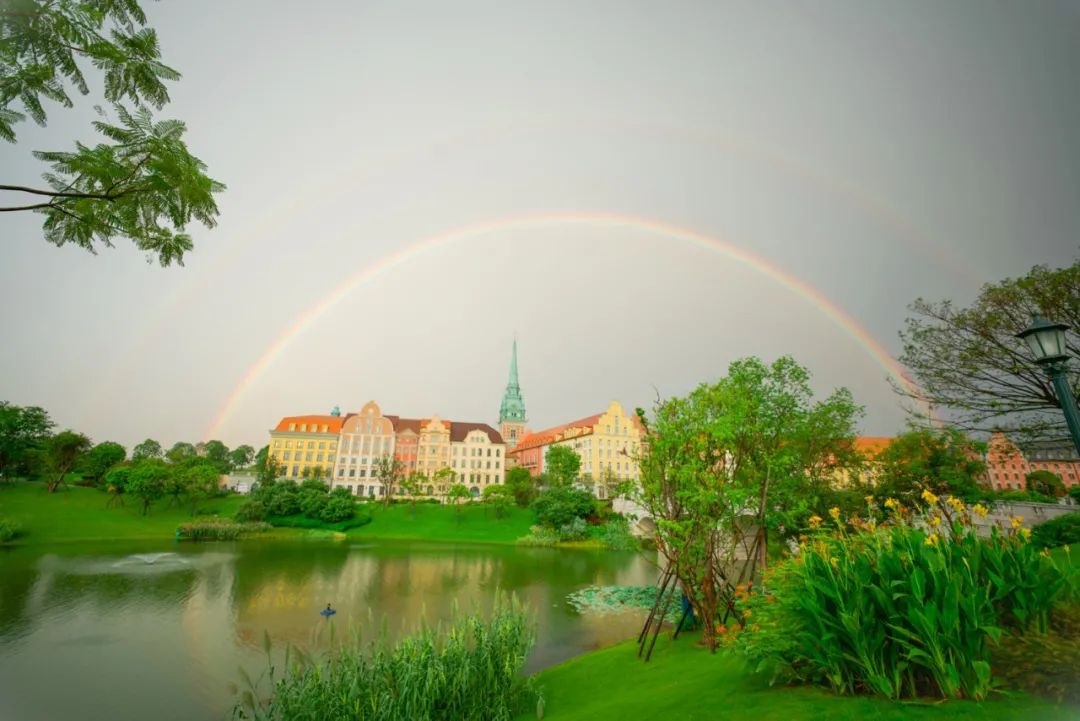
x=683 y=682
x=476 y=524
x=79 y=514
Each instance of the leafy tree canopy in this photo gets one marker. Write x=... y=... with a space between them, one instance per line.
x=100 y=459
x=179 y=451
x=62 y=453
x=22 y=431
x=241 y=456
x=142 y=183
x=945 y=462
x=147 y=449
x=562 y=465
x=968 y=361
x=1045 y=483
x=522 y=484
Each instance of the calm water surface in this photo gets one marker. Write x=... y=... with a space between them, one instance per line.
x=159 y=631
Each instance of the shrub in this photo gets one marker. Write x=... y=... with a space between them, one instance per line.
x=539 y=536
x=617 y=535
x=1058 y=531
x=1045 y=483
x=302 y=521
x=575 y=530
x=1045 y=665
x=470 y=670
x=901 y=610
x=251 y=510
x=1023 y=497
x=1074 y=493
x=337 y=509
x=558 y=506
x=313 y=503
x=9 y=530
x=219 y=529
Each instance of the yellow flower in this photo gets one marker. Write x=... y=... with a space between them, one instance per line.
x=1045 y=552
x=815 y=521
x=891 y=503
x=1016 y=522
x=1066 y=548
x=956 y=503
x=980 y=510
x=835 y=513
x=747 y=613
x=1026 y=534
x=869 y=500
x=934 y=521
x=929 y=497
x=932 y=539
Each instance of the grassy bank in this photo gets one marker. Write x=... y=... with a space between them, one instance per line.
x=683 y=681
x=475 y=524
x=79 y=514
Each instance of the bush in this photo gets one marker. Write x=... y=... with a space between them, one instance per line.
x=899 y=611
x=1044 y=665
x=471 y=670
x=313 y=503
x=1074 y=493
x=575 y=530
x=219 y=529
x=9 y=530
x=539 y=536
x=1023 y=497
x=617 y=535
x=1058 y=531
x=302 y=521
x=558 y=506
x=251 y=510
x=337 y=509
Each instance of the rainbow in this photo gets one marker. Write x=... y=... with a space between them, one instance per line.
x=541 y=220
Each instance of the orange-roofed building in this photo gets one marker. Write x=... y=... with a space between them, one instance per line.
x=607 y=442
x=870 y=447
x=1007 y=466
x=306 y=445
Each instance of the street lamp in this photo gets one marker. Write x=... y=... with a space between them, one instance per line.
x=1047 y=343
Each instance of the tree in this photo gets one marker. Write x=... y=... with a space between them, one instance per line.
x=969 y=362
x=217 y=453
x=561 y=464
x=62 y=452
x=388 y=470
x=260 y=457
x=559 y=505
x=727 y=467
x=147 y=449
x=116 y=482
x=241 y=456
x=498 y=497
x=458 y=492
x=146 y=481
x=443 y=478
x=267 y=472
x=1045 y=483
x=522 y=485
x=413 y=486
x=142 y=183
x=944 y=462
x=100 y=459
x=23 y=430
x=180 y=451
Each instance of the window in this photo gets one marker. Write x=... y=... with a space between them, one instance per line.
x=330 y=457
x=489 y=452
x=341 y=473
x=352 y=473
x=296 y=470
x=277 y=444
x=311 y=444
x=325 y=428
x=307 y=456
x=287 y=455
x=303 y=427
x=322 y=445
x=318 y=456
x=288 y=444
x=363 y=472
x=292 y=426
x=498 y=451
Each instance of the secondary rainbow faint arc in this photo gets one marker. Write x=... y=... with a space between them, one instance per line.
x=610 y=220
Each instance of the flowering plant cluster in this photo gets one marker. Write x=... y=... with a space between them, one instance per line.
x=901 y=601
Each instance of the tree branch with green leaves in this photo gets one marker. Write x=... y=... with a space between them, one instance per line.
x=143 y=183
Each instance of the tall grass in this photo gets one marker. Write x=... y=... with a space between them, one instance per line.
x=219 y=529
x=469 y=670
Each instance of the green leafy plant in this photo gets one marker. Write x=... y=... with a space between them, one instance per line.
x=9 y=530
x=903 y=608
x=219 y=529
x=469 y=670
x=1060 y=531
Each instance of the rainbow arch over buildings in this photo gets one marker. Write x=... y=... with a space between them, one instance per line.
x=722 y=247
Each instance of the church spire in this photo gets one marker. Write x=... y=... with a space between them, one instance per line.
x=513 y=405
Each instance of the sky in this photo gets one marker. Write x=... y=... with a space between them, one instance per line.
x=641 y=192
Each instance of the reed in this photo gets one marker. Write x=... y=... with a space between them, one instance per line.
x=470 y=669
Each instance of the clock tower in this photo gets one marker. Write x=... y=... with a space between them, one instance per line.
x=512 y=411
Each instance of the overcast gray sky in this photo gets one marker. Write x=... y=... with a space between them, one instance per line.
x=875 y=152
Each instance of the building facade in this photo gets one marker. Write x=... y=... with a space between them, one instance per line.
x=306 y=445
x=1007 y=466
x=608 y=444
x=366 y=437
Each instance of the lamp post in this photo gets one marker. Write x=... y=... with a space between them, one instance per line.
x=1047 y=343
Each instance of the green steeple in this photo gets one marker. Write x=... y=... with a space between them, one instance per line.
x=513 y=405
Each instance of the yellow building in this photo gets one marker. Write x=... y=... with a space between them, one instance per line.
x=607 y=442
x=303 y=444
x=869 y=447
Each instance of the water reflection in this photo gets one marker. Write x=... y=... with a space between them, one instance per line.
x=161 y=631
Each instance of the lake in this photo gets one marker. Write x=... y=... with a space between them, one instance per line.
x=159 y=631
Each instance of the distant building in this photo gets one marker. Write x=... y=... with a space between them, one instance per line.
x=304 y=445
x=1007 y=465
x=607 y=442
x=365 y=437
x=870 y=447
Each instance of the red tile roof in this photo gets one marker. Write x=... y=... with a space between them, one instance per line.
x=458 y=429
x=546 y=436
x=333 y=424
x=872 y=445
